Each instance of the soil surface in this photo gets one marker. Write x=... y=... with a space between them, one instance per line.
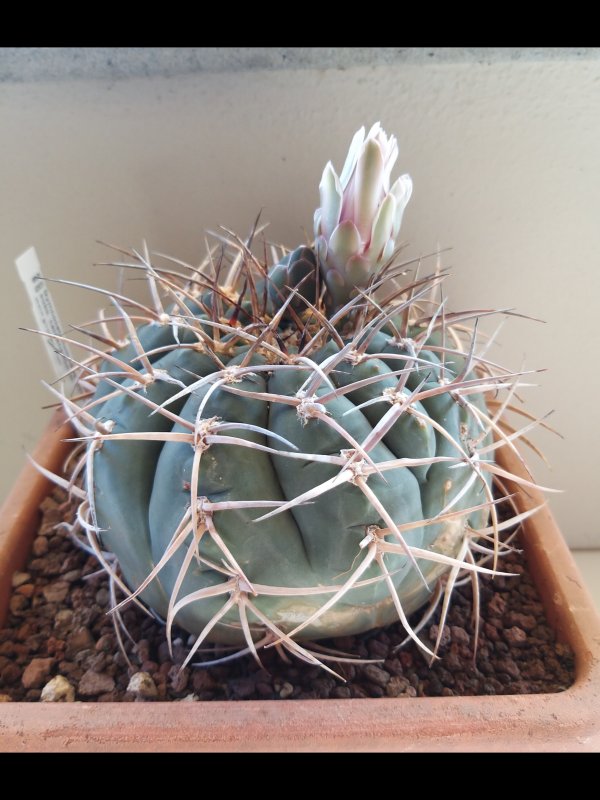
x=59 y=644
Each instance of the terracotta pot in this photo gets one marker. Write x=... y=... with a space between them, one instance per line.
x=567 y=721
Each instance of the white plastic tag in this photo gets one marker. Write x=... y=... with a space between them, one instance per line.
x=44 y=311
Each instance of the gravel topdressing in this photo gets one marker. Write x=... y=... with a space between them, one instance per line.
x=59 y=644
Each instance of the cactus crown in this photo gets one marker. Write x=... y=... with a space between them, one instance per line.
x=279 y=449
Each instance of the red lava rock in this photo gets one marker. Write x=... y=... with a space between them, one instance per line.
x=161 y=688
x=527 y=590
x=49 y=565
x=459 y=635
x=35 y=673
x=486 y=668
x=72 y=575
x=54 y=542
x=376 y=675
x=55 y=647
x=452 y=660
x=562 y=650
x=509 y=666
x=119 y=659
x=323 y=685
x=242 y=687
x=434 y=632
x=94 y=683
x=102 y=597
x=341 y=692
x=178 y=678
x=24 y=632
x=105 y=643
x=40 y=546
x=38 y=642
x=70 y=670
x=18 y=604
x=21 y=649
x=142 y=650
x=108 y=697
x=87 y=614
x=393 y=666
x=63 y=618
x=406 y=659
x=70 y=563
x=202 y=680
x=515 y=636
x=79 y=639
x=491 y=632
x=165 y=668
x=56 y=592
x=7 y=649
x=434 y=684
x=163 y=652
x=377 y=649
x=497 y=606
x=11 y=674
x=524 y=621
x=96 y=662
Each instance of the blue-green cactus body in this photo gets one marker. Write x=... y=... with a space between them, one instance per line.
x=142 y=488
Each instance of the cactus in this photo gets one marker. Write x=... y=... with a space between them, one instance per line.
x=273 y=455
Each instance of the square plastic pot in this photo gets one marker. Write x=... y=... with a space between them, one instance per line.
x=566 y=721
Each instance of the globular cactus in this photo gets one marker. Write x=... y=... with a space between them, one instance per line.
x=282 y=454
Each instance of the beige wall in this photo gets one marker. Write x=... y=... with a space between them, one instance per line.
x=506 y=165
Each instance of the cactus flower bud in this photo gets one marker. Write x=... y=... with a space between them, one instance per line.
x=359 y=218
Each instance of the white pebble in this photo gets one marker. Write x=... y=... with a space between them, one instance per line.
x=58 y=690
x=189 y=698
x=141 y=683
